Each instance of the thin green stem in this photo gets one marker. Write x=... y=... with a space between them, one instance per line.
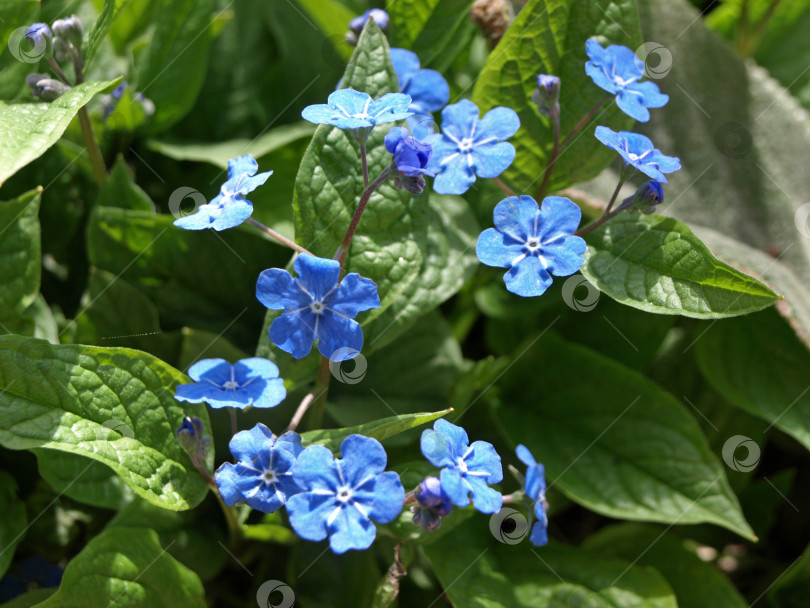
x=581 y=124
x=607 y=213
x=58 y=71
x=302 y=409
x=234 y=529
x=320 y=392
x=365 y=164
x=93 y=151
x=343 y=249
x=278 y=237
x=615 y=194
x=555 y=150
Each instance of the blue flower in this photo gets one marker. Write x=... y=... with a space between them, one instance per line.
x=434 y=504
x=317 y=307
x=617 y=71
x=536 y=490
x=249 y=382
x=229 y=208
x=465 y=468
x=340 y=498
x=350 y=109
x=411 y=157
x=262 y=476
x=532 y=242
x=379 y=16
x=637 y=150
x=468 y=146
x=428 y=90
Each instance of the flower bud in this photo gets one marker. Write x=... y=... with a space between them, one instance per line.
x=410 y=160
x=39 y=34
x=46 y=88
x=70 y=29
x=61 y=49
x=646 y=198
x=191 y=436
x=547 y=94
x=433 y=504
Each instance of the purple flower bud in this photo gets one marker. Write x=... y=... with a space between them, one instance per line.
x=410 y=161
x=38 y=32
x=646 y=198
x=192 y=437
x=433 y=504
x=547 y=95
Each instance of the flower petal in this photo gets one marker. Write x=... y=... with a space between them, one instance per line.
x=315 y=469
x=266 y=392
x=354 y=295
x=254 y=367
x=406 y=64
x=484 y=459
x=227 y=479
x=276 y=290
x=217 y=371
x=244 y=164
x=497 y=249
x=566 y=259
x=363 y=457
x=459 y=119
x=456 y=437
x=246 y=446
x=294 y=333
x=339 y=338
x=492 y=159
x=528 y=278
x=456 y=176
x=232 y=214
x=319 y=276
x=351 y=530
x=517 y=217
x=525 y=456
x=559 y=217
x=436 y=449
x=486 y=499
x=308 y=514
x=500 y=123
x=389 y=497
x=429 y=90
x=197 y=221
x=632 y=104
x=454 y=486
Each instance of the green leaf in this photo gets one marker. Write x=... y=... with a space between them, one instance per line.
x=427 y=27
x=656 y=264
x=791 y=590
x=30 y=599
x=391 y=238
x=548 y=37
x=20 y=263
x=614 y=442
x=759 y=365
x=449 y=260
x=379 y=429
x=109 y=13
x=332 y=18
x=84 y=480
x=204 y=279
x=172 y=70
x=14 y=520
x=475 y=571
x=120 y=190
x=112 y=405
x=127 y=567
x=696 y=583
x=742 y=140
x=31 y=128
x=218 y=153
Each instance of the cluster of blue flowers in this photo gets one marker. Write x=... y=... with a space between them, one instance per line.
x=343 y=499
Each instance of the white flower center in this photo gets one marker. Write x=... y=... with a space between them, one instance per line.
x=230 y=385
x=344 y=494
x=269 y=477
x=316 y=307
x=465 y=144
x=533 y=244
x=462 y=466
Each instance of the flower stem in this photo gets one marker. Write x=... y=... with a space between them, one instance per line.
x=613 y=198
x=584 y=121
x=234 y=427
x=58 y=71
x=278 y=237
x=302 y=409
x=365 y=164
x=555 y=150
x=497 y=181
x=607 y=213
x=234 y=529
x=93 y=151
x=343 y=249
x=320 y=392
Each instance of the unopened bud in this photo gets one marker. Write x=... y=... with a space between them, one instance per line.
x=192 y=437
x=647 y=197
x=46 y=88
x=39 y=34
x=70 y=29
x=547 y=94
x=433 y=504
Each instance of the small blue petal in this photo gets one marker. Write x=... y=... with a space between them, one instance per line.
x=494 y=248
x=637 y=150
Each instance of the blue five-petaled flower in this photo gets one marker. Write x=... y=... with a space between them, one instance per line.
x=249 y=382
x=466 y=469
x=638 y=151
x=317 y=307
x=350 y=109
x=467 y=146
x=229 y=208
x=535 y=488
x=533 y=243
x=340 y=498
x=428 y=90
x=616 y=69
x=262 y=476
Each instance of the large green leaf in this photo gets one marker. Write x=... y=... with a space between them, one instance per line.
x=449 y=260
x=792 y=589
x=548 y=37
x=696 y=584
x=391 y=238
x=332 y=18
x=127 y=567
x=112 y=405
x=612 y=440
x=426 y=26
x=31 y=128
x=86 y=481
x=742 y=140
x=759 y=365
x=12 y=524
x=476 y=572
x=20 y=263
x=657 y=264
x=172 y=70
x=380 y=429
x=100 y=29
